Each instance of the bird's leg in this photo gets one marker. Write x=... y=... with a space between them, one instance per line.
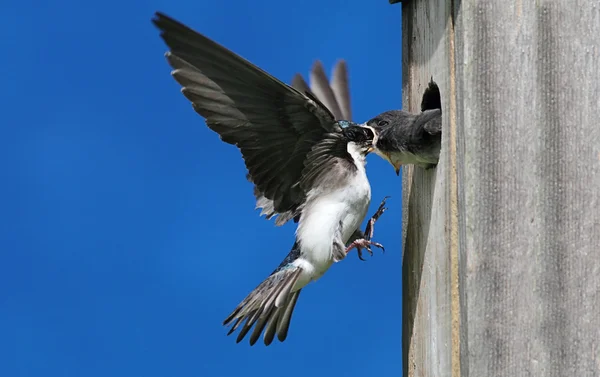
x=370 y=228
x=360 y=240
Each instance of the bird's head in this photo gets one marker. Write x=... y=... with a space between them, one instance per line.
x=384 y=141
x=361 y=137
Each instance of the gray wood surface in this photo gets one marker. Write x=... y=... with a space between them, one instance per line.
x=502 y=241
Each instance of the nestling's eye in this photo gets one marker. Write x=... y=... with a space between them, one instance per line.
x=382 y=123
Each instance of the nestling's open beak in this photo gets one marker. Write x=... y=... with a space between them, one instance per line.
x=371 y=149
x=397 y=167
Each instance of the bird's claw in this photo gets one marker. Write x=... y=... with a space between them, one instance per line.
x=370 y=228
x=366 y=242
x=363 y=243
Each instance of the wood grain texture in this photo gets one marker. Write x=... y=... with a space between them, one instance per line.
x=522 y=228
x=427 y=327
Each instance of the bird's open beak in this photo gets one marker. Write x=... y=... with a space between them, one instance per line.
x=397 y=167
x=371 y=149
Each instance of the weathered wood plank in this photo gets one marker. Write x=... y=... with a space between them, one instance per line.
x=502 y=243
x=427 y=328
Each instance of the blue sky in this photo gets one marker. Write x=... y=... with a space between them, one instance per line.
x=129 y=231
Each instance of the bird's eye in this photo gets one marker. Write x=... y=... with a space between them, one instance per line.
x=382 y=123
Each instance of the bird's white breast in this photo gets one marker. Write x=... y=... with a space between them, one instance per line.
x=347 y=204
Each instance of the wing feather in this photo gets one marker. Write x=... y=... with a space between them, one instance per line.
x=274 y=125
x=336 y=96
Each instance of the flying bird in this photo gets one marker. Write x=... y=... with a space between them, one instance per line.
x=405 y=138
x=335 y=95
x=304 y=164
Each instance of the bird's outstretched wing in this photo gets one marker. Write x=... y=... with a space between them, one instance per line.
x=335 y=96
x=274 y=125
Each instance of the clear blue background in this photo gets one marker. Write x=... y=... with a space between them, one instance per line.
x=128 y=229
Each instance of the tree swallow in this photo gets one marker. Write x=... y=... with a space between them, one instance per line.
x=304 y=165
x=405 y=138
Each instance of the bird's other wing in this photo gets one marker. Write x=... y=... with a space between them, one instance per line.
x=319 y=85
x=300 y=85
x=430 y=121
x=430 y=118
x=274 y=125
x=335 y=95
x=341 y=88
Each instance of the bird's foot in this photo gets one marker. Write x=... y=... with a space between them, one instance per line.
x=363 y=243
x=366 y=242
x=370 y=228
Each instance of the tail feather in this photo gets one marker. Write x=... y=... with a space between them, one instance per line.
x=269 y=306
x=235 y=325
x=251 y=319
x=258 y=329
x=283 y=296
x=280 y=322
x=283 y=323
x=272 y=326
x=264 y=309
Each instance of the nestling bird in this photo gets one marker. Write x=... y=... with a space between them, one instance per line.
x=404 y=138
x=303 y=164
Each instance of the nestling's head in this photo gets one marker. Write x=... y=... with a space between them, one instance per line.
x=382 y=123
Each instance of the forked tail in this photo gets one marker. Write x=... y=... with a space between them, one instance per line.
x=269 y=307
